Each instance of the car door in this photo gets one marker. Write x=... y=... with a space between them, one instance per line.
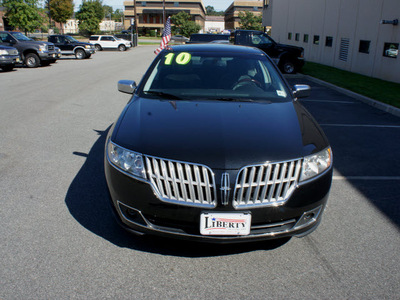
x=107 y=42
x=9 y=40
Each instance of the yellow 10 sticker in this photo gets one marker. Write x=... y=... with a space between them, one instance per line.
x=182 y=58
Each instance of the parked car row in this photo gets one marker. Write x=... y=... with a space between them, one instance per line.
x=15 y=48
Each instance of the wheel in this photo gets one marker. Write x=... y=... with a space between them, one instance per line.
x=98 y=47
x=7 y=68
x=32 y=60
x=80 y=54
x=288 y=67
x=121 y=48
x=45 y=63
x=88 y=55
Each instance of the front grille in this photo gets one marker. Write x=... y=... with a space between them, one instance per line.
x=50 y=47
x=266 y=185
x=182 y=183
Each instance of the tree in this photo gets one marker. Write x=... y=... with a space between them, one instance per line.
x=89 y=16
x=108 y=11
x=23 y=14
x=250 y=21
x=118 y=15
x=61 y=10
x=210 y=11
x=183 y=24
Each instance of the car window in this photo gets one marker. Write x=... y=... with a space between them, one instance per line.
x=6 y=38
x=205 y=75
x=93 y=38
x=21 y=37
x=70 y=38
x=260 y=39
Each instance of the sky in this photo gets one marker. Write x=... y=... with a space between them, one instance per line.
x=119 y=4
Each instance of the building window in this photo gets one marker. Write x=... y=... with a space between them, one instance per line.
x=297 y=37
x=289 y=36
x=176 y=4
x=364 y=46
x=344 y=49
x=316 y=40
x=305 y=38
x=329 y=41
x=255 y=8
x=391 y=50
x=143 y=3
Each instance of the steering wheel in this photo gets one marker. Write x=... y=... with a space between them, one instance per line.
x=245 y=81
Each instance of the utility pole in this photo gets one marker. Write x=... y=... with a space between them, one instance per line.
x=163 y=13
x=134 y=11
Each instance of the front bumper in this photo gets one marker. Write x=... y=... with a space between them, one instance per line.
x=7 y=60
x=90 y=51
x=48 y=55
x=138 y=210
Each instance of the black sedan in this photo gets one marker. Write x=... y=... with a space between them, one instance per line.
x=214 y=147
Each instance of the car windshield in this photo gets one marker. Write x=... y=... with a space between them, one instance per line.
x=214 y=76
x=21 y=37
x=70 y=38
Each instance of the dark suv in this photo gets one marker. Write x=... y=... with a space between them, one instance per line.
x=71 y=46
x=33 y=53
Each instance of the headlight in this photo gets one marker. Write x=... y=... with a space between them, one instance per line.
x=126 y=160
x=3 y=52
x=316 y=164
x=88 y=46
x=42 y=48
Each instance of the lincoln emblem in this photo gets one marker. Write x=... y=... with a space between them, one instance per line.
x=225 y=188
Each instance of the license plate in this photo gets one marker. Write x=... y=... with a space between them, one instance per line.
x=225 y=223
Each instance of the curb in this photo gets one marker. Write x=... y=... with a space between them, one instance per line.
x=379 y=105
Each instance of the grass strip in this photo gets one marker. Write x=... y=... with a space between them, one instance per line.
x=381 y=90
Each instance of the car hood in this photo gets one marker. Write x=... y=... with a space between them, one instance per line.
x=221 y=135
x=6 y=47
x=82 y=43
x=35 y=43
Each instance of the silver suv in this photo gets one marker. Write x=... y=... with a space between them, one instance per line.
x=109 y=42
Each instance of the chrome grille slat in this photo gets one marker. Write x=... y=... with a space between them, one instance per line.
x=182 y=183
x=266 y=185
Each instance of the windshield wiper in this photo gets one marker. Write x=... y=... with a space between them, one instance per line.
x=242 y=100
x=163 y=95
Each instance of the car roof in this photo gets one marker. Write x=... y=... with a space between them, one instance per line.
x=214 y=47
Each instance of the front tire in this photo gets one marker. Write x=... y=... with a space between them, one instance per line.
x=288 y=67
x=80 y=54
x=98 y=47
x=121 y=48
x=32 y=60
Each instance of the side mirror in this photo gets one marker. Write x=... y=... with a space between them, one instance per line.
x=126 y=86
x=301 y=90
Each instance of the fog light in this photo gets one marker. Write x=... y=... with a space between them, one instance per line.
x=308 y=218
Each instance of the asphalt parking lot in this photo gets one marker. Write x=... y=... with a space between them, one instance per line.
x=59 y=239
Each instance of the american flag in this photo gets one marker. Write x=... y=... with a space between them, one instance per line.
x=166 y=36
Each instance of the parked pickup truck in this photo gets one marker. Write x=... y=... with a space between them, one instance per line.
x=71 y=46
x=33 y=53
x=288 y=58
